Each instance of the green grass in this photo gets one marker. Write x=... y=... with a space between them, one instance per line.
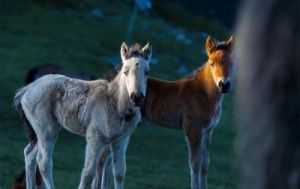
x=31 y=34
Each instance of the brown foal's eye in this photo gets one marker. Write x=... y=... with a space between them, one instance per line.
x=212 y=64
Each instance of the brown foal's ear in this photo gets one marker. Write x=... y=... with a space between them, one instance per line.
x=124 y=51
x=210 y=45
x=147 y=51
x=230 y=43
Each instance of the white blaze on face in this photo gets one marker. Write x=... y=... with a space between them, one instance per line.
x=219 y=79
x=216 y=77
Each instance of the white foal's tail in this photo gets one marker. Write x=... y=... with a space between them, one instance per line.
x=17 y=99
x=18 y=107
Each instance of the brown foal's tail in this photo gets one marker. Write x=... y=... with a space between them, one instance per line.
x=31 y=135
x=20 y=182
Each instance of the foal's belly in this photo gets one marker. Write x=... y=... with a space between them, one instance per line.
x=168 y=124
x=169 y=119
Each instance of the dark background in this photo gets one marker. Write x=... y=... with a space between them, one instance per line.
x=221 y=10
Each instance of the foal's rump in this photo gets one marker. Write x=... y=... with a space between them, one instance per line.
x=28 y=97
x=18 y=107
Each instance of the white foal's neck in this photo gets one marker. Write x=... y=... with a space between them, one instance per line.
x=119 y=91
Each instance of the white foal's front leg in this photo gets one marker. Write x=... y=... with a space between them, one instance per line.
x=100 y=178
x=103 y=174
x=106 y=174
x=118 y=150
x=93 y=152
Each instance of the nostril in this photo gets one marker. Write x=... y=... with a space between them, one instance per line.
x=140 y=96
x=137 y=97
x=221 y=84
x=132 y=96
x=228 y=84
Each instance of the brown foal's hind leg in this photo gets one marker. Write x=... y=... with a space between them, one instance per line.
x=194 y=145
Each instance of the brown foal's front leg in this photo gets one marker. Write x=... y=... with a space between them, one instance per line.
x=194 y=138
x=205 y=156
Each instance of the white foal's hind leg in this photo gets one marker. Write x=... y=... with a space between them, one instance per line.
x=30 y=153
x=94 y=149
x=44 y=160
x=47 y=131
x=118 y=150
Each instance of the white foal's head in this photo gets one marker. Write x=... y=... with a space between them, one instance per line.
x=136 y=69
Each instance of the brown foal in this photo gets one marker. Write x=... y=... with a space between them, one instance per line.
x=192 y=104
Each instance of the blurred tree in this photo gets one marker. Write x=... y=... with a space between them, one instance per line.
x=139 y=5
x=268 y=94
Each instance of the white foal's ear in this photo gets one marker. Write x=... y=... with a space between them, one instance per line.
x=210 y=45
x=147 y=51
x=230 y=43
x=124 y=51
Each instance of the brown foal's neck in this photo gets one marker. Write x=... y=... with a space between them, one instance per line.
x=205 y=78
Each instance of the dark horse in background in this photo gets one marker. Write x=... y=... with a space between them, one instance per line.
x=44 y=69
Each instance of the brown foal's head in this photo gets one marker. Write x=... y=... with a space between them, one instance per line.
x=219 y=59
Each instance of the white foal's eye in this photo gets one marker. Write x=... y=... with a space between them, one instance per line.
x=146 y=72
x=126 y=72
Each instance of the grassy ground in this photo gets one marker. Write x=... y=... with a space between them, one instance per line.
x=32 y=34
